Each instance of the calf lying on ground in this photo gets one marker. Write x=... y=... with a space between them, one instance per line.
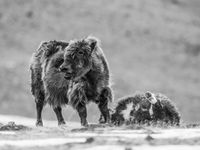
x=70 y=73
x=145 y=108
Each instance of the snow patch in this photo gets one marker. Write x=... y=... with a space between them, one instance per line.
x=41 y=142
x=7 y=132
x=135 y=134
x=145 y=147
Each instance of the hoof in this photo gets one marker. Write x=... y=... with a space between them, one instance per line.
x=60 y=123
x=105 y=122
x=102 y=121
x=85 y=124
x=39 y=124
x=63 y=127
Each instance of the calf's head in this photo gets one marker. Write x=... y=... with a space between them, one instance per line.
x=78 y=58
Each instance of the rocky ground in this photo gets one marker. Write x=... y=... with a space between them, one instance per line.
x=73 y=136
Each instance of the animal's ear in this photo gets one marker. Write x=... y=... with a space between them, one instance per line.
x=52 y=47
x=43 y=48
x=49 y=48
x=148 y=94
x=151 y=97
x=62 y=44
x=93 y=42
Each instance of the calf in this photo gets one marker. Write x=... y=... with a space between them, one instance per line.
x=145 y=108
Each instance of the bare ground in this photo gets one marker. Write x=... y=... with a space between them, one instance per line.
x=73 y=136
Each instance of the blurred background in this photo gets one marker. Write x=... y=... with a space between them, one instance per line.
x=150 y=45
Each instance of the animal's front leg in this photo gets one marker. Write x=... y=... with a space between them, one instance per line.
x=78 y=100
x=82 y=111
x=58 y=112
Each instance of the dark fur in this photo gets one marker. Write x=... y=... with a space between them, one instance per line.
x=48 y=85
x=137 y=116
x=86 y=66
x=90 y=82
x=163 y=110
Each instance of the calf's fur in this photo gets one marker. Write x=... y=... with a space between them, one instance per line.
x=146 y=108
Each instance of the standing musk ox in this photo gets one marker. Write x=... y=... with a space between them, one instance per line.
x=72 y=73
x=145 y=108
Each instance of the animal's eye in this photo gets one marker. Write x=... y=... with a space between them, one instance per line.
x=80 y=53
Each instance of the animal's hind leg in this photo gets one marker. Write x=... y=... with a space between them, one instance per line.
x=38 y=93
x=105 y=97
x=103 y=107
x=39 y=107
x=58 y=112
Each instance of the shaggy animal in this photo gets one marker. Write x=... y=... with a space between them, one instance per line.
x=90 y=82
x=48 y=84
x=164 y=110
x=145 y=108
x=86 y=67
x=131 y=109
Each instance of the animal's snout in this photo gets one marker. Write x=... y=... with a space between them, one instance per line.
x=66 y=69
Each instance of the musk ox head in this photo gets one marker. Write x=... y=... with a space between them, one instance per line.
x=78 y=57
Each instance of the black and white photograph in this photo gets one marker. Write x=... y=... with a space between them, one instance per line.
x=99 y=74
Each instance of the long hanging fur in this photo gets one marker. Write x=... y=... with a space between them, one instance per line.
x=139 y=108
x=91 y=80
x=165 y=110
x=39 y=62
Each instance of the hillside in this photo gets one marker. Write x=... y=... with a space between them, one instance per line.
x=150 y=45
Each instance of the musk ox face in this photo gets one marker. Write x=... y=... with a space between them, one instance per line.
x=78 y=58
